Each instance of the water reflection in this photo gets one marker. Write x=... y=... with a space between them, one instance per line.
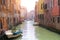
x=29 y=31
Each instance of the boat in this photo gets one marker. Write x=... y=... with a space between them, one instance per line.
x=11 y=34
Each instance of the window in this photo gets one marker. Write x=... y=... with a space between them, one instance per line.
x=53 y=19
x=41 y=16
x=41 y=6
x=59 y=2
x=3 y=2
x=8 y=4
x=0 y=25
x=58 y=19
x=52 y=3
x=45 y=6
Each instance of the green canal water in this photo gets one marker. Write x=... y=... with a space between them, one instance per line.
x=44 y=34
x=41 y=33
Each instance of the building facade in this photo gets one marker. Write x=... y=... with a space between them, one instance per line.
x=8 y=8
x=49 y=13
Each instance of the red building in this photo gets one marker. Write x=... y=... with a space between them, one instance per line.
x=56 y=8
x=56 y=13
x=52 y=14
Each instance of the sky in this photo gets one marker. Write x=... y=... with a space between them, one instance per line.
x=29 y=4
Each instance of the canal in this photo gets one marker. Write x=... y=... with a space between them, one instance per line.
x=31 y=32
